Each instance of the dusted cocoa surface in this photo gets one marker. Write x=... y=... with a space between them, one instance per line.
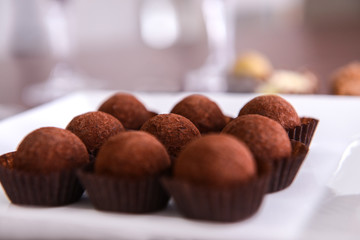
x=50 y=149
x=204 y=113
x=266 y=138
x=172 y=130
x=274 y=107
x=228 y=119
x=128 y=109
x=215 y=160
x=133 y=154
x=94 y=128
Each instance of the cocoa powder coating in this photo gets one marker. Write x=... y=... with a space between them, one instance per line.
x=266 y=138
x=204 y=113
x=50 y=149
x=133 y=154
x=274 y=107
x=172 y=130
x=127 y=109
x=215 y=160
x=94 y=128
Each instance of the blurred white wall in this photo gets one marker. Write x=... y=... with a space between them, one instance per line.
x=329 y=13
x=96 y=23
x=106 y=43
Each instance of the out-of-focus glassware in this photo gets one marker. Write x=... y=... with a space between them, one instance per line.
x=220 y=27
x=155 y=13
x=64 y=78
x=15 y=15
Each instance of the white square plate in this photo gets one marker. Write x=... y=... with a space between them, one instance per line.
x=283 y=215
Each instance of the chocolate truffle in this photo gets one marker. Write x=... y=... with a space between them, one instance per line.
x=50 y=149
x=204 y=113
x=172 y=130
x=266 y=138
x=128 y=109
x=274 y=107
x=94 y=128
x=133 y=154
x=346 y=80
x=216 y=160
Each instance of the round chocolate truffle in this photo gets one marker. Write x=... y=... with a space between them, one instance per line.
x=133 y=154
x=50 y=149
x=216 y=160
x=94 y=128
x=173 y=130
x=266 y=138
x=128 y=109
x=274 y=107
x=204 y=113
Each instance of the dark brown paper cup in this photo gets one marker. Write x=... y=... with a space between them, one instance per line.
x=55 y=189
x=285 y=170
x=305 y=132
x=213 y=204
x=123 y=195
x=7 y=160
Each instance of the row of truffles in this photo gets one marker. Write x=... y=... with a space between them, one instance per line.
x=253 y=72
x=132 y=160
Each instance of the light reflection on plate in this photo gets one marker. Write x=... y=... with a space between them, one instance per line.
x=348 y=172
x=338 y=217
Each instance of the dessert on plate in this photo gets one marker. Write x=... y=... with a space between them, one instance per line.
x=42 y=169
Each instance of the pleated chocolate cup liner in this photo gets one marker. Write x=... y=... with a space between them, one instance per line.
x=24 y=188
x=123 y=195
x=285 y=170
x=305 y=132
x=214 y=204
x=7 y=159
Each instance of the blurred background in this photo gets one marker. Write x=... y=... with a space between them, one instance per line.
x=49 y=48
